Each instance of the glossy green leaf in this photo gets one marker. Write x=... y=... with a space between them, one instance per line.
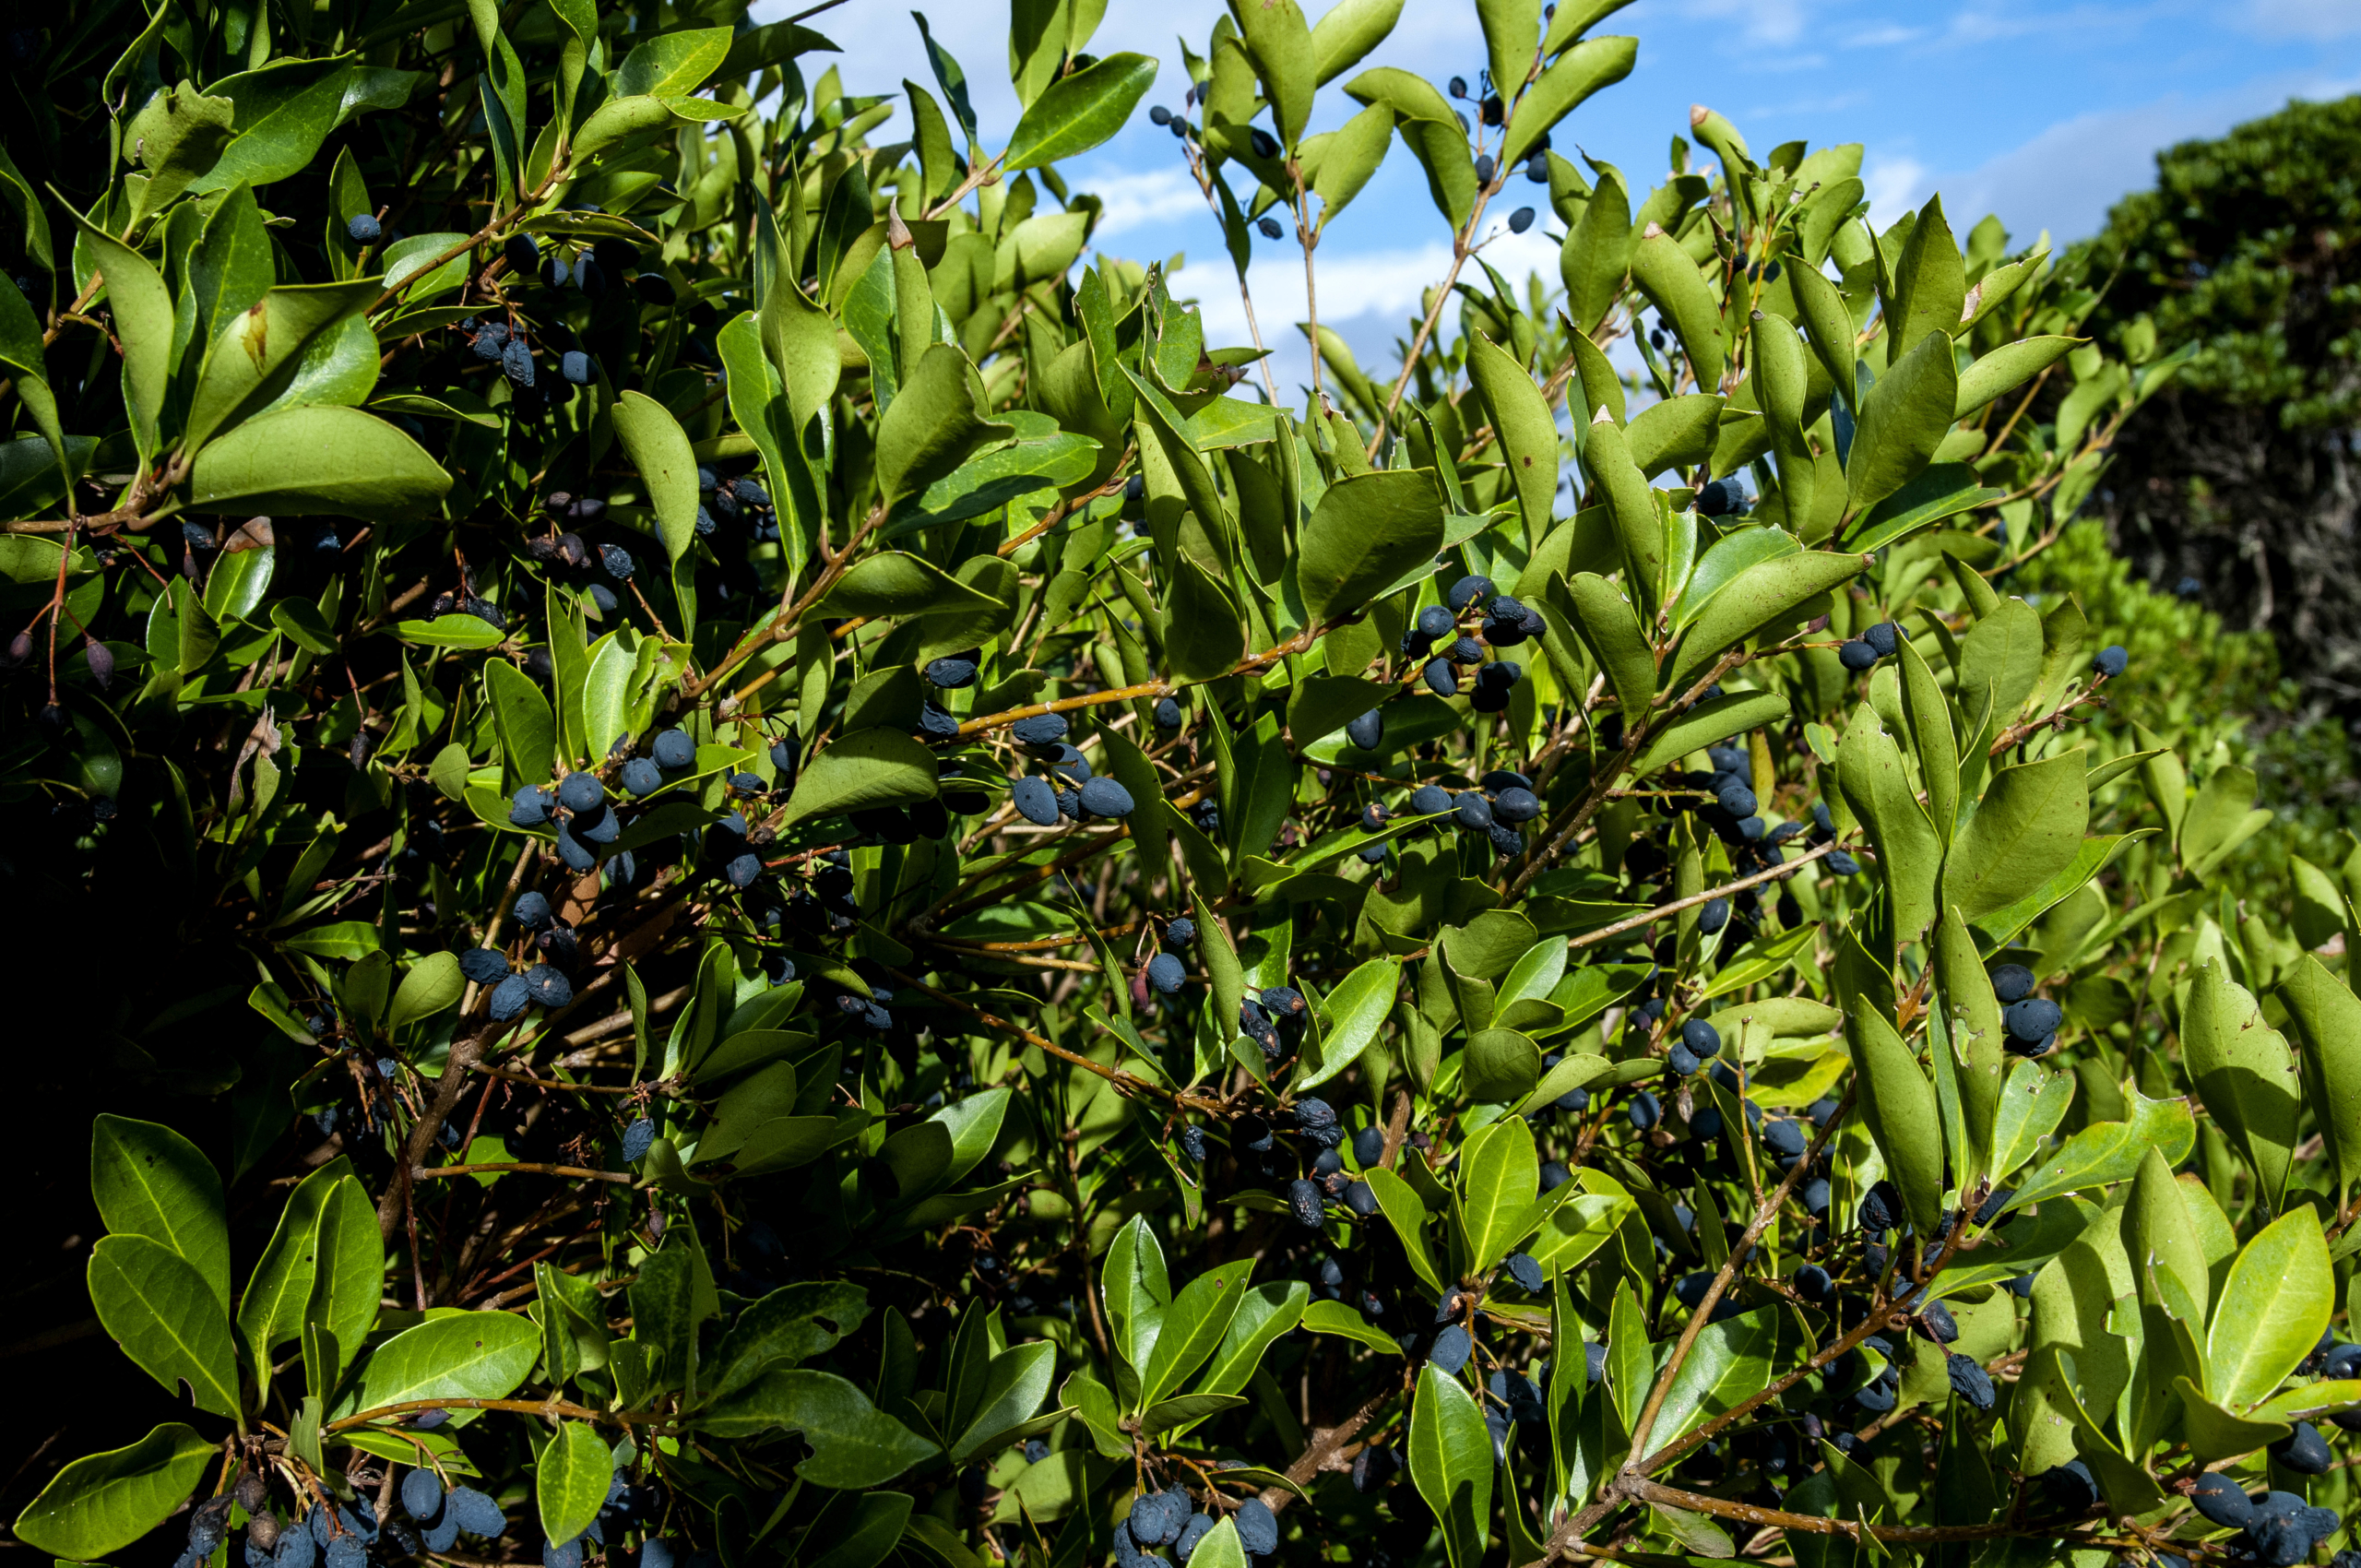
x=1762 y=601
x=854 y=1444
x=2027 y=829
x=163 y=1313
x=104 y=1502
x=1015 y=1383
x=1589 y=67
x=1898 y=1103
x=2106 y=1152
x=1903 y=418
x=1451 y=1464
x=1710 y=722
x=1137 y=1290
x=1286 y=61
x=320 y=461
x=1876 y=786
x=1732 y=1361
x=1365 y=533
x=2272 y=1307
x=1524 y=427
x=1499 y=1178
x=1079 y=111
x=465 y=1356
x=864 y=769
x=2244 y=1073
x=937 y=423
x=659 y=449
x=571 y=1480
x=2326 y=1021
x=1352 y=1016
x=1678 y=290
x=1194 y=1326
x=2006 y=368
x=148 y=1181
x=432 y=983
x=256 y=355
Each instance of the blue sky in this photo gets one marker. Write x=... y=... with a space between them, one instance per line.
x=2042 y=111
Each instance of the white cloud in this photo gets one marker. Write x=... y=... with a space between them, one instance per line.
x=1761 y=21
x=1893 y=184
x=2064 y=179
x=2317 y=20
x=1370 y=299
x=1137 y=197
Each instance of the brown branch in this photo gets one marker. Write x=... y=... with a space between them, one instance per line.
x=428 y=1173
x=1324 y=1444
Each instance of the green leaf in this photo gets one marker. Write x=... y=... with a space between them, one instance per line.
x=255 y=355
x=2277 y=1298
x=659 y=449
x=1675 y=433
x=1263 y=1315
x=938 y=421
x=102 y=1502
x=894 y=582
x=1079 y=112
x=2245 y=1074
x=1345 y=1320
x=672 y=64
x=1186 y=1410
x=433 y=983
x=1501 y=1065
x=271 y=1311
x=2107 y=1152
x=1672 y=283
x=1732 y=1360
x=142 y=308
x=166 y=1317
x=1943 y=491
x=2327 y=1025
x=522 y=718
x=1137 y=1290
x=1876 y=786
x=1762 y=601
x=1711 y=722
x=1616 y=482
x=1286 y=61
x=1903 y=418
x=571 y=1479
x=1607 y=625
x=1350 y=1018
x=1366 y=532
x=2216 y=1433
x=1407 y=1212
x=854 y=1444
x=1220 y=1547
x=148 y=1181
x=1015 y=1383
x=317 y=459
x=1898 y=1103
x=1572 y=77
x=1500 y=1179
x=1524 y=427
x=1203 y=638
x=1594 y=258
x=466 y=1356
x=1194 y=1326
x=2028 y=827
x=1450 y=1463
x=1347 y=158
x=1346 y=32
x=864 y=769
x=1930 y=283
x=2008 y=367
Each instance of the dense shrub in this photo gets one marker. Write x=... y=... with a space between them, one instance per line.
x=751 y=870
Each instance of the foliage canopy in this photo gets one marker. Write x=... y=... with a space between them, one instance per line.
x=822 y=890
